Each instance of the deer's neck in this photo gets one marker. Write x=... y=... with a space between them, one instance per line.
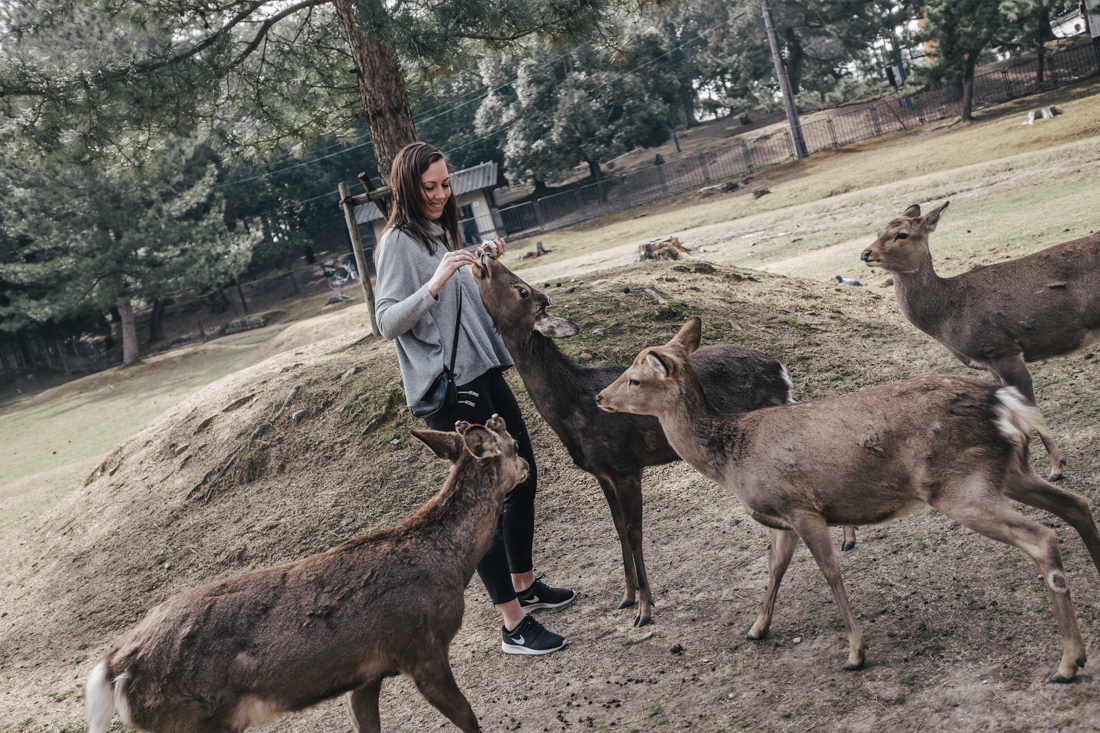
x=710 y=442
x=459 y=523
x=550 y=378
x=922 y=296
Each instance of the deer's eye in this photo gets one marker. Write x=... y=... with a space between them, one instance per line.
x=515 y=444
x=523 y=293
x=634 y=382
x=901 y=235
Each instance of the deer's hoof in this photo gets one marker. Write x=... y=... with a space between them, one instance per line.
x=1059 y=678
x=847 y=545
x=626 y=603
x=759 y=635
x=641 y=620
x=851 y=666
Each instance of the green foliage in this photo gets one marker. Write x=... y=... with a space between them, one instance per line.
x=79 y=239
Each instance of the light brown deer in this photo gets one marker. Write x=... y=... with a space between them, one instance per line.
x=614 y=449
x=955 y=443
x=1001 y=316
x=223 y=656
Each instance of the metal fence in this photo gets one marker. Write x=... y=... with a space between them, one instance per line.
x=745 y=157
x=184 y=320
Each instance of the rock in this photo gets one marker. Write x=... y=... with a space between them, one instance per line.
x=759 y=191
x=663 y=248
x=247 y=323
x=338 y=297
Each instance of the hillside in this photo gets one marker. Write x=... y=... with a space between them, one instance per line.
x=960 y=628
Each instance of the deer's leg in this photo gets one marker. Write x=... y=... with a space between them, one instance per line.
x=1029 y=489
x=780 y=550
x=629 y=593
x=362 y=707
x=629 y=491
x=815 y=533
x=983 y=510
x=1013 y=372
x=437 y=684
x=849 y=538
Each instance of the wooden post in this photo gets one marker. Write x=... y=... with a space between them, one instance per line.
x=357 y=246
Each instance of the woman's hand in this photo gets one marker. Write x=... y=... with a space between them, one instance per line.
x=452 y=262
x=495 y=247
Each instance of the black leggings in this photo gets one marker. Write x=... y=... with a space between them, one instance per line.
x=511 y=550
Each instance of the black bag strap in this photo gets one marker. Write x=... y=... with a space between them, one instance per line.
x=458 y=324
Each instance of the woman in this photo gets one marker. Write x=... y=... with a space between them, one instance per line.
x=421 y=269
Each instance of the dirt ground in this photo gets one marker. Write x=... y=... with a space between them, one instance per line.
x=960 y=629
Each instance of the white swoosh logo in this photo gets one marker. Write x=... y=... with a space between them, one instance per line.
x=519 y=640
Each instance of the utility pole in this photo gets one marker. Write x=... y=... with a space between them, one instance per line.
x=784 y=84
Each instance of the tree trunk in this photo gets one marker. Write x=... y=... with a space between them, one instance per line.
x=4 y=359
x=129 y=333
x=794 y=58
x=687 y=99
x=156 y=322
x=968 y=87
x=381 y=85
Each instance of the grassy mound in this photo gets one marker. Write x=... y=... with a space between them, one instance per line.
x=217 y=485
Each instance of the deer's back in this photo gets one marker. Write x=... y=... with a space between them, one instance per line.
x=735 y=379
x=863 y=457
x=1045 y=304
x=326 y=622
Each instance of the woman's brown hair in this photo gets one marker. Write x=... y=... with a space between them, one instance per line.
x=408 y=197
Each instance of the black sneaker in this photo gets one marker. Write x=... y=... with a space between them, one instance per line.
x=529 y=638
x=540 y=595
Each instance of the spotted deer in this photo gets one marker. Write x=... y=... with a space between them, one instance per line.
x=614 y=448
x=954 y=443
x=224 y=656
x=1001 y=316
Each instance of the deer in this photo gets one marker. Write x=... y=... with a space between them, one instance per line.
x=614 y=448
x=223 y=656
x=998 y=317
x=955 y=443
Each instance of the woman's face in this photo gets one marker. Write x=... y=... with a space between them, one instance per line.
x=435 y=183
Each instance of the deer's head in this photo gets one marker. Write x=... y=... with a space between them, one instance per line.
x=516 y=307
x=487 y=444
x=651 y=386
x=902 y=245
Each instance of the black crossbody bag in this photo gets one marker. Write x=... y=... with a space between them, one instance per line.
x=442 y=396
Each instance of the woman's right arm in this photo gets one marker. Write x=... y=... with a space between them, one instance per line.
x=403 y=298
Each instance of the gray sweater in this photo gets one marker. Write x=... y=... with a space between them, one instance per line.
x=422 y=327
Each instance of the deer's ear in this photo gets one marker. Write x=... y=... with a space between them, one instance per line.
x=444 y=445
x=555 y=327
x=481 y=442
x=689 y=336
x=932 y=218
x=912 y=211
x=661 y=363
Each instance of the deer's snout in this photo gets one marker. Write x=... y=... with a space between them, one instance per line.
x=866 y=256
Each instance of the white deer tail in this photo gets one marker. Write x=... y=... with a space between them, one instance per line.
x=1017 y=418
x=101 y=698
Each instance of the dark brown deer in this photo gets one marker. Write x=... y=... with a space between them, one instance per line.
x=229 y=654
x=1001 y=316
x=955 y=443
x=614 y=449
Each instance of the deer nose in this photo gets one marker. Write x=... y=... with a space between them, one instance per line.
x=599 y=399
x=866 y=255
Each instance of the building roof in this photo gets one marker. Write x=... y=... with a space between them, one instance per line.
x=472 y=179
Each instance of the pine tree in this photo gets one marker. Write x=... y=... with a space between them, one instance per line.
x=960 y=30
x=263 y=74
x=97 y=238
